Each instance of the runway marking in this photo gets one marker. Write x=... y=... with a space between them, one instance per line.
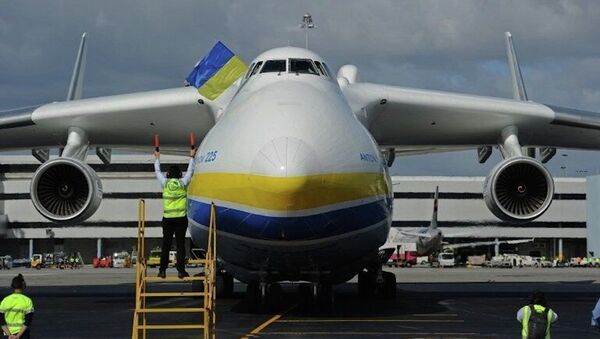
x=267 y=323
x=444 y=334
x=435 y=315
x=371 y=320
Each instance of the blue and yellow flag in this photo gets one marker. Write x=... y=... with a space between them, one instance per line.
x=216 y=72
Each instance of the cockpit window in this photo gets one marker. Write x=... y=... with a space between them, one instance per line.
x=320 y=67
x=249 y=71
x=304 y=66
x=256 y=68
x=274 y=66
x=328 y=71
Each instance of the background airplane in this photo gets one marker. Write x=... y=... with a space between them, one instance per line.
x=296 y=158
x=430 y=240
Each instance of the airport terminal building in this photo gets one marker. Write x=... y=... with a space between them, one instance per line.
x=463 y=216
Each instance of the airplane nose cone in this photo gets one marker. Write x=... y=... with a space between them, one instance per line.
x=286 y=157
x=283 y=166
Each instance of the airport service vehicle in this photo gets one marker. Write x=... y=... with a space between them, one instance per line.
x=22 y=262
x=476 y=260
x=500 y=261
x=197 y=255
x=121 y=260
x=446 y=259
x=296 y=157
x=154 y=259
x=104 y=262
x=39 y=261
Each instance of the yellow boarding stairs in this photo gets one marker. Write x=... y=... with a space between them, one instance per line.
x=206 y=309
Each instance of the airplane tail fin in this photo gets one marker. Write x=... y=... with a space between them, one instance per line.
x=434 y=215
x=518 y=85
x=76 y=86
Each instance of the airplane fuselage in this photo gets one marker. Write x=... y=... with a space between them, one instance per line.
x=300 y=187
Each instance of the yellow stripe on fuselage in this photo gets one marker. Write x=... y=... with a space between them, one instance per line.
x=288 y=193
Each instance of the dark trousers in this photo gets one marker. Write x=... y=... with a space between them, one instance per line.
x=26 y=335
x=171 y=226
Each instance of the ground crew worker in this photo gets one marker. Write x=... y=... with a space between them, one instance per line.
x=536 y=317
x=16 y=311
x=596 y=316
x=174 y=213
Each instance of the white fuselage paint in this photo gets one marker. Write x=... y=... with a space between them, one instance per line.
x=297 y=127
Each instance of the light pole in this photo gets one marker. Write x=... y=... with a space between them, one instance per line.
x=307 y=23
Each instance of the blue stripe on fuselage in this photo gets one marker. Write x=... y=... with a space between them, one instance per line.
x=315 y=226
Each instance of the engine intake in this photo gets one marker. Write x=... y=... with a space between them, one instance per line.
x=66 y=190
x=518 y=189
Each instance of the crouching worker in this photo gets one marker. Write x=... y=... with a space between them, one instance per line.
x=536 y=317
x=174 y=213
x=16 y=311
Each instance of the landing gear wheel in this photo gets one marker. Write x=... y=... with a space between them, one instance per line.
x=253 y=298
x=304 y=296
x=274 y=297
x=388 y=288
x=325 y=298
x=366 y=284
x=224 y=285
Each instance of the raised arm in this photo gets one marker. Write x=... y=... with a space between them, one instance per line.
x=159 y=175
x=190 y=170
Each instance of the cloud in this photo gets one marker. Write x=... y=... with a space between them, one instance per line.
x=452 y=45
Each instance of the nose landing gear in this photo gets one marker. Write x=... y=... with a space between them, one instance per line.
x=377 y=282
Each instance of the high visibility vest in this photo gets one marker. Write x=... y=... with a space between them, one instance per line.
x=15 y=307
x=527 y=315
x=174 y=199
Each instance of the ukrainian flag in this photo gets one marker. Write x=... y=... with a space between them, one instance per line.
x=216 y=72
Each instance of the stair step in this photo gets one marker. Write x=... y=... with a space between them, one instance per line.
x=171 y=327
x=173 y=279
x=172 y=310
x=173 y=294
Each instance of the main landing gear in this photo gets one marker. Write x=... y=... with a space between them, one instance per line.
x=224 y=284
x=268 y=297
x=263 y=297
x=377 y=282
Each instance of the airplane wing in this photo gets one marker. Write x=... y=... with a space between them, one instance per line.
x=415 y=119
x=415 y=234
x=116 y=121
x=485 y=243
x=129 y=121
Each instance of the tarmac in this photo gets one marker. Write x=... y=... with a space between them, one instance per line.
x=431 y=303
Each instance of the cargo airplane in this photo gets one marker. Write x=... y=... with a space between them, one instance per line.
x=296 y=158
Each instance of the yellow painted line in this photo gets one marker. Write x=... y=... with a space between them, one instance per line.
x=435 y=334
x=271 y=320
x=372 y=320
x=435 y=315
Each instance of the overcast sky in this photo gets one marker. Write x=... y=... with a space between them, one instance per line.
x=445 y=45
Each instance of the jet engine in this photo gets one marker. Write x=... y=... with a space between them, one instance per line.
x=518 y=189
x=66 y=190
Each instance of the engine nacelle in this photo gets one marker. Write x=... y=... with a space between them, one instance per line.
x=66 y=190
x=518 y=189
